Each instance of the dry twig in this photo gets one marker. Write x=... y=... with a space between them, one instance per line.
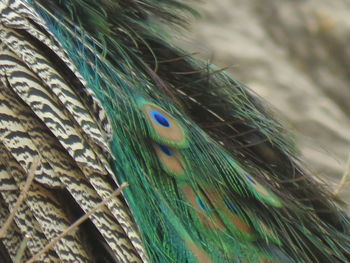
x=345 y=178
x=76 y=224
x=21 y=250
x=20 y=199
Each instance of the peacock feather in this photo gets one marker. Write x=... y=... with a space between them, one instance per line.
x=93 y=95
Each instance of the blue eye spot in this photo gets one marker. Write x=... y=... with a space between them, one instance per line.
x=159 y=118
x=202 y=205
x=166 y=150
x=250 y=179
x=231 y=206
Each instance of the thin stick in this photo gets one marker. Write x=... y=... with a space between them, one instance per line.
x=20 y=199
x=345 y=178
x=21 y=250
x=77 y=223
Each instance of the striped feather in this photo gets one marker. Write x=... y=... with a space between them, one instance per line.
x=41 y=111
x=13 y=238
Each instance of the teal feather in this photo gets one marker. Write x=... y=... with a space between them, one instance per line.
x=123 y=80
x=212 y=176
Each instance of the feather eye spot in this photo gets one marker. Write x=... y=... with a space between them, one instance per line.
x=163 y=128
x=170 y=159
x=262 y=193
x=202 y=209
x=166 y=150
x=202 y=204
x=160 y=119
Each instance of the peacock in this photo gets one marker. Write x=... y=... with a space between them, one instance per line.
x=169 y=159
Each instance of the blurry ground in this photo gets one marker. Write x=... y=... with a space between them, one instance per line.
x=295 y=54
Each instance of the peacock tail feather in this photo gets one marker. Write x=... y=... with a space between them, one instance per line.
x=96 y=93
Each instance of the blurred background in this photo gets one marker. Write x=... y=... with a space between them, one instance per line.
x=296 y=55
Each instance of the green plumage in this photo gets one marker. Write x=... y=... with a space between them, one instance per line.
x=213 y=177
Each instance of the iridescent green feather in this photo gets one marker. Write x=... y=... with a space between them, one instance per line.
x=228 y=201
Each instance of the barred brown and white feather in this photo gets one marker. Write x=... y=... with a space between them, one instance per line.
x=57 y=120
x=12 y=241
x=20 y=15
